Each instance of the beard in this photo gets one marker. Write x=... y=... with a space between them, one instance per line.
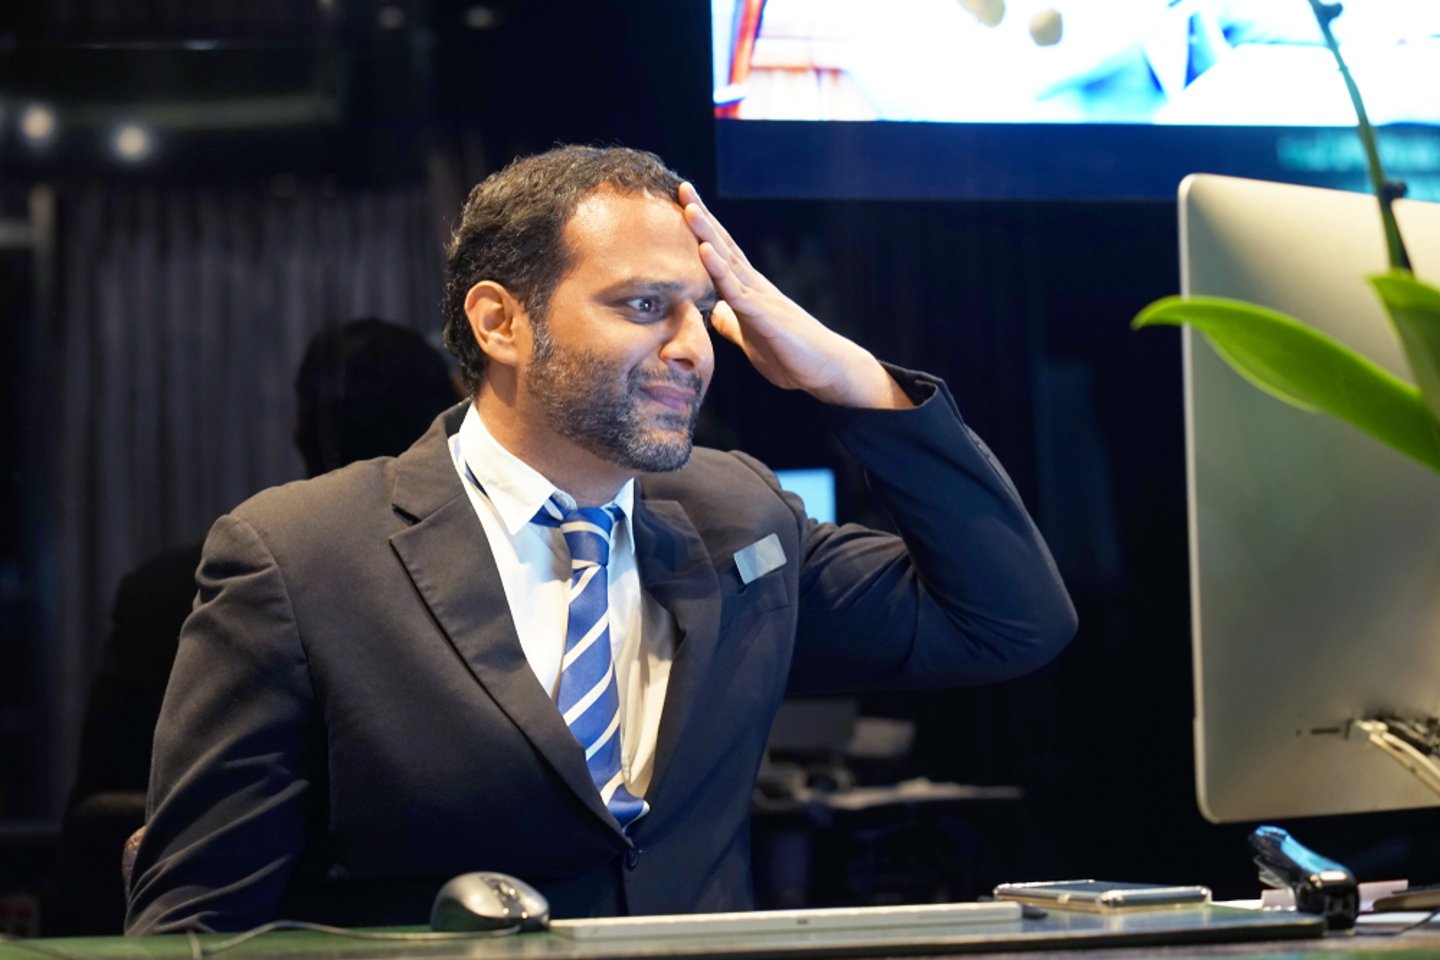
x=587 y=400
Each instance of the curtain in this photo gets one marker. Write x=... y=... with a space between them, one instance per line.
x=183 y=315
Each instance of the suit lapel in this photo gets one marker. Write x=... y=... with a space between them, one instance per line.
x=676 y=569
x=450 y=562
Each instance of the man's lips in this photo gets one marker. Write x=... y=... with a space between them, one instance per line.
x=676 y=398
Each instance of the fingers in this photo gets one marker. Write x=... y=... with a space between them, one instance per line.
x=707 y=228
x=743 y=291
x=722 y=271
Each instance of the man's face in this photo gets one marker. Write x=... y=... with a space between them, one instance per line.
x=623 y=357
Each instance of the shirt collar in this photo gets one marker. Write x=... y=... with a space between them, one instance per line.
x=517 y=489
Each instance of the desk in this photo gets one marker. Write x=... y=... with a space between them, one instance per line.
x=1090 y=936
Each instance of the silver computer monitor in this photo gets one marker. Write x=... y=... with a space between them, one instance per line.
x=1315 y=550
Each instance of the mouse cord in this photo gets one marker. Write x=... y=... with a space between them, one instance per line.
x=20 y=943
x=1417 y=924
x=198 y=952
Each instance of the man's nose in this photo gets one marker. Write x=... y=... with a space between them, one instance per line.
x=689 y=341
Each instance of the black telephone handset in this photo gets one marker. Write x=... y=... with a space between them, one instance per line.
x=1321 y=885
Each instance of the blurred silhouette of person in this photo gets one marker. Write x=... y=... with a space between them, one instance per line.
x=366 y=388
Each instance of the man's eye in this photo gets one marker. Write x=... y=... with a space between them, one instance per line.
x=650 y=306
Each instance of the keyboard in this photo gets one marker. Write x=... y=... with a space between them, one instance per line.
x=857 y=919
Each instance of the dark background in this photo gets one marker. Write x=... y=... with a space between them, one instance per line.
x=1022 y=306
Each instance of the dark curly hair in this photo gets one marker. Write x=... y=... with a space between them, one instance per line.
x=512 y=230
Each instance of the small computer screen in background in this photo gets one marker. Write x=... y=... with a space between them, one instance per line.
x=814 y=485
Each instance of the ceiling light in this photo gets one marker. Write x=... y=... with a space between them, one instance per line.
x=38 y=124
x=481 y=17
x=132 y=143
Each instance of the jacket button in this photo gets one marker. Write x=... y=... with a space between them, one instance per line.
x=632 y=858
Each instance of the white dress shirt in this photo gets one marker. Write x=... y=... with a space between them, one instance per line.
x=534 y=565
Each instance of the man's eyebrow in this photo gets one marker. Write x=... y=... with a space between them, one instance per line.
x=641 y=286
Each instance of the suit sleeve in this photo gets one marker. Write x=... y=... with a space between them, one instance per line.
x=230 y=770
x=968 y=593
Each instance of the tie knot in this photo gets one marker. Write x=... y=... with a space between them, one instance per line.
x=586 y=529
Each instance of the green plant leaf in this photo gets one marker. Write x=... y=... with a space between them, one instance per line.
x=1307 y=369
x=1414 y=309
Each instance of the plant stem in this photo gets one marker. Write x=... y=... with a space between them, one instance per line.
x=1384 y=192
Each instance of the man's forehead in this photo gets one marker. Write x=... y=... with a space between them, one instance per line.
x=608 y=206
x=634 y=235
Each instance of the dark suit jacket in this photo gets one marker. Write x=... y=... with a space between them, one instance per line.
x=351 y=712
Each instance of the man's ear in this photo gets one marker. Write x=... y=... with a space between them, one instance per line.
x=493 y=312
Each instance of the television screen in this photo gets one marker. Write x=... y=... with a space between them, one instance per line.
x=1037 y=99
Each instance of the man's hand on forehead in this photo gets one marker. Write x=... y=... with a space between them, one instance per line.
x=789 y=347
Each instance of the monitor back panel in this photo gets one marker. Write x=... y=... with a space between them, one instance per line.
x=1315 y=550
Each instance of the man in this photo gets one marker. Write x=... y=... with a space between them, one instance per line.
x=378 y=687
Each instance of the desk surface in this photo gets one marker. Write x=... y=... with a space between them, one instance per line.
x=1205 y=932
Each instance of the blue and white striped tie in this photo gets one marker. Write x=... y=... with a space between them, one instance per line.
x=589 y=699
